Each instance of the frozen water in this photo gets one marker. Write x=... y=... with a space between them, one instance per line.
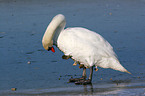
x=25 y=65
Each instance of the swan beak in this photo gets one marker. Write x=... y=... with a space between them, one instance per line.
x=51 y=48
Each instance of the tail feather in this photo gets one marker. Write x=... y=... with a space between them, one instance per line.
x=112 y=63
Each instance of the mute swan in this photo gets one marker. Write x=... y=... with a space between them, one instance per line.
x=82 y=45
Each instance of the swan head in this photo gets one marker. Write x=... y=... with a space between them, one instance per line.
x=55 y=26
x=47 y=45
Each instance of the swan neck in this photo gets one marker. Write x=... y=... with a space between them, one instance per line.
x=53 y=30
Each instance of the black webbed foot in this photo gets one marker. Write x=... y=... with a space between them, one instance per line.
x=76 y=79
x=83 y=82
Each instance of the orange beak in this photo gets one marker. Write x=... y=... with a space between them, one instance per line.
x=51 y=48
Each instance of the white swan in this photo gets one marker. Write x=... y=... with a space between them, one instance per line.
x=84 y=46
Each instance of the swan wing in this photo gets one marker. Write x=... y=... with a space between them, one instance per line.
x=89 y=48
x=84 y=45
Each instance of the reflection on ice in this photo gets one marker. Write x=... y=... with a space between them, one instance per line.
x=96 y=89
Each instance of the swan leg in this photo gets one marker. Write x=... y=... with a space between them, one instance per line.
x=78 y=79
x=91 y=73
x=65 y=57
x=75 y=63
x=84 y=72
x=96 y=69
x=81 y=66
x=89 y=81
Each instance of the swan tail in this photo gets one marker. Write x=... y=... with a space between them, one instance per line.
x=112 y=63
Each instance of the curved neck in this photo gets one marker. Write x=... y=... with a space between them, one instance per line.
x=56 y=35
x=53 y=30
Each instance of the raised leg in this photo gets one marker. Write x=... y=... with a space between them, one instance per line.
x=75 y=63
x=81 y=66
x=66 y=57
x=96 y=69
x=89 y=81
x=78 y=79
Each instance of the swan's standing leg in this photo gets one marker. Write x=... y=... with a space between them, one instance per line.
x=86 y=81
x=78 y=79
x=81 y=66
x=91 y=73
x=84 y=73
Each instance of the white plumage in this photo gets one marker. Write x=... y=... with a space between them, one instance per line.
x=85 y=46
x=88 y=47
